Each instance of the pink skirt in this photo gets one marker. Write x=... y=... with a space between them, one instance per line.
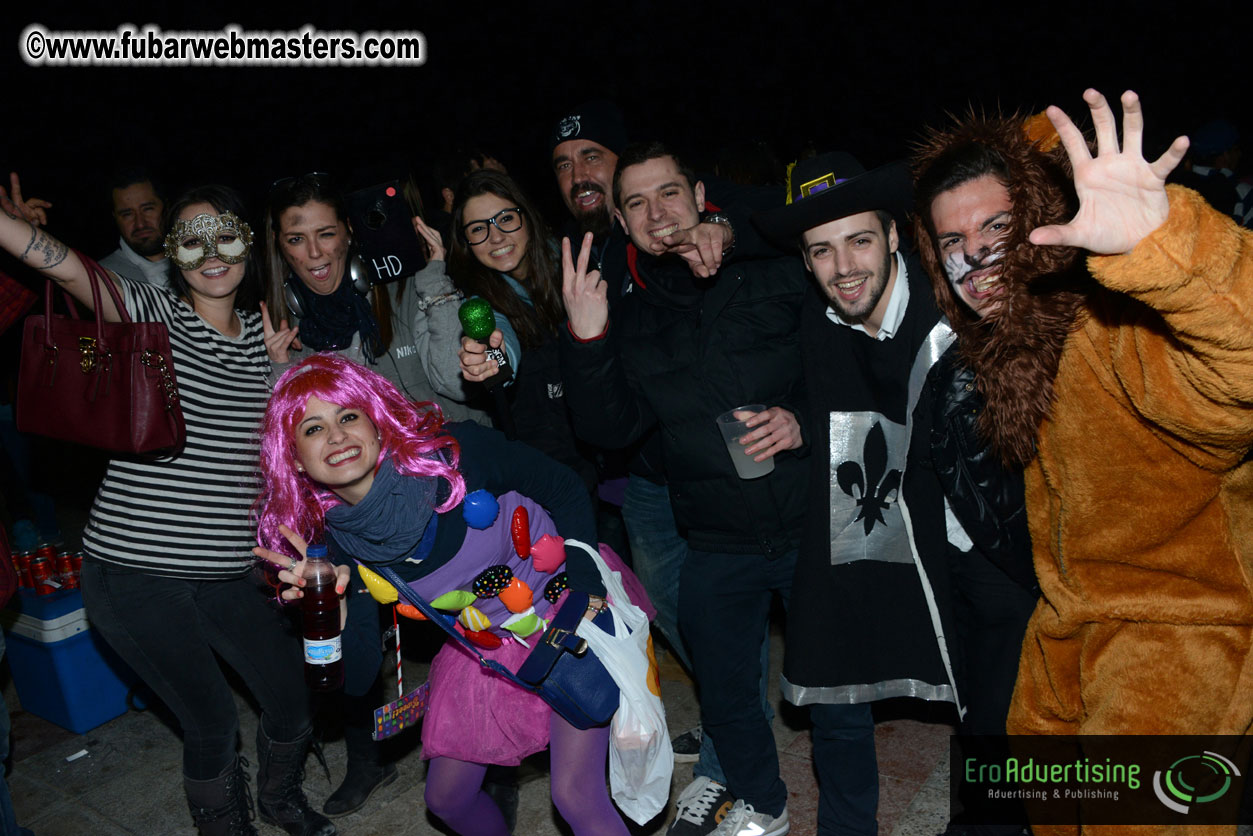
x=478 y=716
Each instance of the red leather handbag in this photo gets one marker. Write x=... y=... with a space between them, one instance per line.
x=104 y=384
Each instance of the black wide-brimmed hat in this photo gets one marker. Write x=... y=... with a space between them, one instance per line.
x=832 y=186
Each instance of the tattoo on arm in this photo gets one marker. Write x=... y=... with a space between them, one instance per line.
x=44 y=246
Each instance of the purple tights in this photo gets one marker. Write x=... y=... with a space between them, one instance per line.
x=454 y=789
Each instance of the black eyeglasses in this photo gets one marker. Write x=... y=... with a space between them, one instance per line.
x=506 y=220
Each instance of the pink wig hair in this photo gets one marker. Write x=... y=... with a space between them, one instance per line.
x=410 y=434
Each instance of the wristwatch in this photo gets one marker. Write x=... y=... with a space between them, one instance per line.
x=719 y=218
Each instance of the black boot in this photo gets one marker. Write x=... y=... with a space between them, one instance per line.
x=280 y=799
x=222 y=806
x=365 y=773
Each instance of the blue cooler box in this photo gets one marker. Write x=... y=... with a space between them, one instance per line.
x=63 y=670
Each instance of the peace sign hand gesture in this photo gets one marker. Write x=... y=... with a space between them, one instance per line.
x=585 y=293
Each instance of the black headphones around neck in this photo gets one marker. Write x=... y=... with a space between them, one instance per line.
x=294 y=289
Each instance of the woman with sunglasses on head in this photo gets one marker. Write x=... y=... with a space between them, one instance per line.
x=405 y=330
x=168 y=579
x=384 y=482
x=502 y=251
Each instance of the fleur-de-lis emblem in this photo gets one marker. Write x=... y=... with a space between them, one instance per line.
x=882 y=487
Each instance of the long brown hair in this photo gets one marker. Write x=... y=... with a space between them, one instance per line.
x=534 y=323
x=299 y=191
x=1015 y=350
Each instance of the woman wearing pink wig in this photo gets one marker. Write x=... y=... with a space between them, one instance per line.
x=346 y=459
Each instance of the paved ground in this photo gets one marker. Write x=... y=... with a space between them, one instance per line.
x=129 y=780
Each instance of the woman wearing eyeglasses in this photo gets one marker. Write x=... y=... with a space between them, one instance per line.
x=503 y=252
x=406 y=330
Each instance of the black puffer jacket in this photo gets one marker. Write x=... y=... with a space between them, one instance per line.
x=678 y=354
x=987 y=498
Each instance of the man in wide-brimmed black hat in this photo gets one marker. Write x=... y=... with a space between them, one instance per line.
x=864 y=617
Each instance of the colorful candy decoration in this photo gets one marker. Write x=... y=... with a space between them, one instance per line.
x=473 y=619
x=455 y=600
x=524 y=624
x=517 y=597
x=483 y=638
x=480 y=509
x=520 y=531
x=492 y=581
x=549 y=553
x=556 y=586
x=410 y=611
x=380 y=590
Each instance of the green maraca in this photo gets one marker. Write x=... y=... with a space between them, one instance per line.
x=478 y=321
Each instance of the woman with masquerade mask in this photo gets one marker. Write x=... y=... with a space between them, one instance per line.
x=406 y=330
x=347 y=459
x=502 y=251
x=168 y=579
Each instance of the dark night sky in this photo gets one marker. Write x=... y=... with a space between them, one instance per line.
x=864 y=77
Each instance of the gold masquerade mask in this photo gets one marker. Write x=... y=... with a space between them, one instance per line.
x=225 y=237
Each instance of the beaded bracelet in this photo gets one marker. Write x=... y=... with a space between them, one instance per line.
x=426 y=304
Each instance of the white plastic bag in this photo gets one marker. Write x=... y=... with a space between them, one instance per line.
x=641 y=760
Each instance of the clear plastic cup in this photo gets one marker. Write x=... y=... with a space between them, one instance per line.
x=732 y=426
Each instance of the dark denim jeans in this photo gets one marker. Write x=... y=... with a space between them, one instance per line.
x=168 y=630
x=848 y=772
x=724 y=610
x=657 y=555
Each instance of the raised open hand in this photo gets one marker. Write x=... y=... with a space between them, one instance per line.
x=1122 y=196
x=431 y=237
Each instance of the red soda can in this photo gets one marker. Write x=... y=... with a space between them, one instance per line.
x=65 y=568
x=42 y=576
x=21 y=562
x=46 y=550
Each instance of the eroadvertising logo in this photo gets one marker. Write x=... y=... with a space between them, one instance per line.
x=1098 y=779
x=1194 y=779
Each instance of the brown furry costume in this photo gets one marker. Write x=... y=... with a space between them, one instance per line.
x=1015 y=350
x=1140 y=491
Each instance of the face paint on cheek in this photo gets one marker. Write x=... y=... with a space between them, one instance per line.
x=956 y=267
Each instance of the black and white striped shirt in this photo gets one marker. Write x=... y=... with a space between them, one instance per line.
x=187 y=516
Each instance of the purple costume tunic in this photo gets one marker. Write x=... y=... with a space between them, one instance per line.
x=474 y=714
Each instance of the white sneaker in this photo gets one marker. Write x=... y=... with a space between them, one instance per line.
x=702 y=805
x=743 y=820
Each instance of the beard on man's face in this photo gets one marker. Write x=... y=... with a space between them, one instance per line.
x=598 y=219
x=148 y=247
